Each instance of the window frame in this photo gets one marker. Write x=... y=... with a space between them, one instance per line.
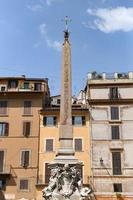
x=29 y=164
x=115 y=170
x=76 y=138
x=24 y=107
x=83 y=120
x=30 y=133
x=119 y=134
x=23 y=179
x=111 y=113
x=6 y=131
x=114 y=96
x=6 y=108
x=54 y=124
x=45 y=141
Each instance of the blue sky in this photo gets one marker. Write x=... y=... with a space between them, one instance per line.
x=31 y=35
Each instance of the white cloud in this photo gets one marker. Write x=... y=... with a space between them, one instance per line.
x=50 y=43
x=49 y=2
x=35 y=7
x=113 y=19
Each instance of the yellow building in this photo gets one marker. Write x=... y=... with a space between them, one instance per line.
x=49 y=142
x=21 y=99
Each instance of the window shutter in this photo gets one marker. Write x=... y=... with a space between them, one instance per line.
x=55 y=120
x=116 y=159
x=47 y=173
x=78 y=144
x=26 y=161
x=22 y=158
x=6 y=129
x=1 y=161
x=114 y=113
x=49 y=144
x=24 y=184
x=72 y=120
x=115 y=132
x=44 y=121
x=26 y=128
x=83 y=120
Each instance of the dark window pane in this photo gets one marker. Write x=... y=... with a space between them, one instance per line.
x=49 y=144
x=47 y=173
x=116 y=161
x=58 y=101
x=3 y=107
x=4 y=129
x=114 y=93
x=114 y=113
x=24 y=184
x=38 y=86
x=12 y=83
x=26 y=85
x=27 y=107
x=117 y=187
x=78 y=144
x=115 y=132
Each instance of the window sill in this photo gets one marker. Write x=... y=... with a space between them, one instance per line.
x=115 y=121
x=27 y=115
x=3 y=115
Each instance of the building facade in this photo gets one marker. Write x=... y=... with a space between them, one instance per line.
x=21 y=99
x=49 y=142
x=110 y=100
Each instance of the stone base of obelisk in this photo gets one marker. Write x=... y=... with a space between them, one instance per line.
x=65 y=182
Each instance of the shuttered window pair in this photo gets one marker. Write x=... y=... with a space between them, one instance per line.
x=3 y=107
x=50 y=121
x=25 y=158
x=114 y=93
x=27 y=107
x=4 y=129
x=26 y=129
x=78 y=120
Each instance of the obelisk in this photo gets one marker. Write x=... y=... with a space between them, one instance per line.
x=65 y=181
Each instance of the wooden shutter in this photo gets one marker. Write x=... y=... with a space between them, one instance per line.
x=6 y=129
x=73 y=120
x=44 y=121
x=27 y=107
x=55 y=120
x=47 y=173
x=26 y=128
x=25 y=158
x=116 y=159
x=3 y=107
x=1 y=161
x=83 y=120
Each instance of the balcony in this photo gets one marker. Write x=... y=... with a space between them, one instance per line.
x=5 y=171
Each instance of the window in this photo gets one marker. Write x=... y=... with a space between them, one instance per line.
x=4 y=129
x=12 y=83
x=114 y=93
x=24 y=184
x=49 y=121
x=117 y=187
x=3 y=107
x=38 y=86
x=78 y=120
x=26 y=128
x=78 y=144
x=49 y=144
x=2 y=184
x=27 y=107
x=47 y=173
x=26 y=85
x=25 y=156
x=115 y=132
x=116 y=161
x=1 y=161
x=58 y=101
x=114 y=113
